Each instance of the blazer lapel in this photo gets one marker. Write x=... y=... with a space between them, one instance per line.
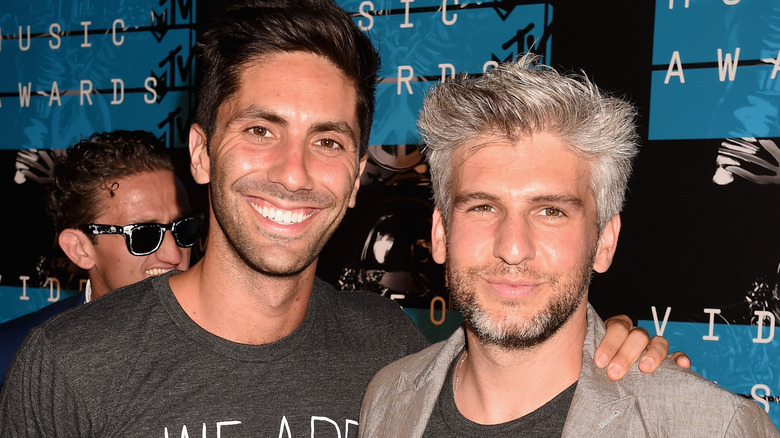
x=598 y=409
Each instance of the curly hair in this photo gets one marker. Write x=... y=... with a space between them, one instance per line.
x=93 y=167
x=520 y=98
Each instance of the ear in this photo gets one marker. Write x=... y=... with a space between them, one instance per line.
x=438 y=238
x=361 y=168
x=77 y=246
x=607 y=245
x=199 y=155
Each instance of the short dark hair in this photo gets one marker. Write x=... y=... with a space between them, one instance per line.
x=94 y=165
x=250 y=30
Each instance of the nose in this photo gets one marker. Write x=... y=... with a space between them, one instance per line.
x=514 y=240
x=290 y=166
x=169 y=252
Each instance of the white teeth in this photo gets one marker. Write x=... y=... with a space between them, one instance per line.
x=156 y=271
x=282 y=217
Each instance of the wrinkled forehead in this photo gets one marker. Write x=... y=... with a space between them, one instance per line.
x=531 y=164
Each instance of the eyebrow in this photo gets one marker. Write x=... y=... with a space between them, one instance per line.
x=255 y=112
x=570 y=200
x=469 y=197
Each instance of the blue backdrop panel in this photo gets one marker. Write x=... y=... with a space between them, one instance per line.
x=71 y=68
x=415 y=42
x=75 y=67
x=29 y=299
x=697 y=93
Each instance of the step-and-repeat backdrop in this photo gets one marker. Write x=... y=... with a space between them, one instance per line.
x=715 y=140
x=69 y=68
x=699 y=253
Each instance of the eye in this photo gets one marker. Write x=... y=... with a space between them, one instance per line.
x=483 y=208
x=259 y=131
x=552 y=212
x=329 y=143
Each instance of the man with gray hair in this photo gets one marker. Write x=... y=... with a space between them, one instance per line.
x=529 y=172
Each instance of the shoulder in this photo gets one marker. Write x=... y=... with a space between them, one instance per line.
x=425 y=365
x=699 y=404
x=674 y=399
x=356 y=300
x=14 y=332
x=413 y=365
x=362 y=307
x=111 y=316
x=365 y=318
x=26 y=322
x=674 y=382
x=670 y=379
x=401 y=396
x=90 y=345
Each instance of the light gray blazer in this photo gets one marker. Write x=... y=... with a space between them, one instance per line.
x=671 y=402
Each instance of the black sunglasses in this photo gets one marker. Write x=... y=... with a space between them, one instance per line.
x=144 y=239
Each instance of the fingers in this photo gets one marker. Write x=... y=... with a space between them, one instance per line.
x=618 y=328
x=623 y=345
x=771 y=147
x=629 y=353
x=656 y=351
x=681 y=359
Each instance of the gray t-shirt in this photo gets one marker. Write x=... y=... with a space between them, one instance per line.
x=133 y=364
x=545 y=422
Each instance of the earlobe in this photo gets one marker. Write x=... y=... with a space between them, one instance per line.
x=77 y=247
x=607 y=245
x=361 y=168
x=438 y=238
x=199 y=157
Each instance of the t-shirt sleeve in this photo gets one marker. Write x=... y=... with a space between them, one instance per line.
x=37 y=399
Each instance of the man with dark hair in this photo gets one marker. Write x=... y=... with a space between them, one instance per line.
x=107 y=185
x=247 y=342
x=528 y=194
x=121 y=178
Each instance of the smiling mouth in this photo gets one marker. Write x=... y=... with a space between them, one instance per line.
x=156 y=271
x=282 y=217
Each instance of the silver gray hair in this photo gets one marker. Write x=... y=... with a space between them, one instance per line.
x=517 y=99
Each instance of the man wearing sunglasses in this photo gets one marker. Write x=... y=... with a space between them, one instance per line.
x=248 y=342
x=120 y=214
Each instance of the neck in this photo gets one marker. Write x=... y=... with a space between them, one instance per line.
x=496 y=385
x=229 y=299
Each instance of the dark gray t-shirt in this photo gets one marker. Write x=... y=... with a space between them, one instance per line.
x=133 y=364
x=545 y=422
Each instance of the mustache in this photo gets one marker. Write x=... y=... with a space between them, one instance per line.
x=522 y=271
x=310 y=198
